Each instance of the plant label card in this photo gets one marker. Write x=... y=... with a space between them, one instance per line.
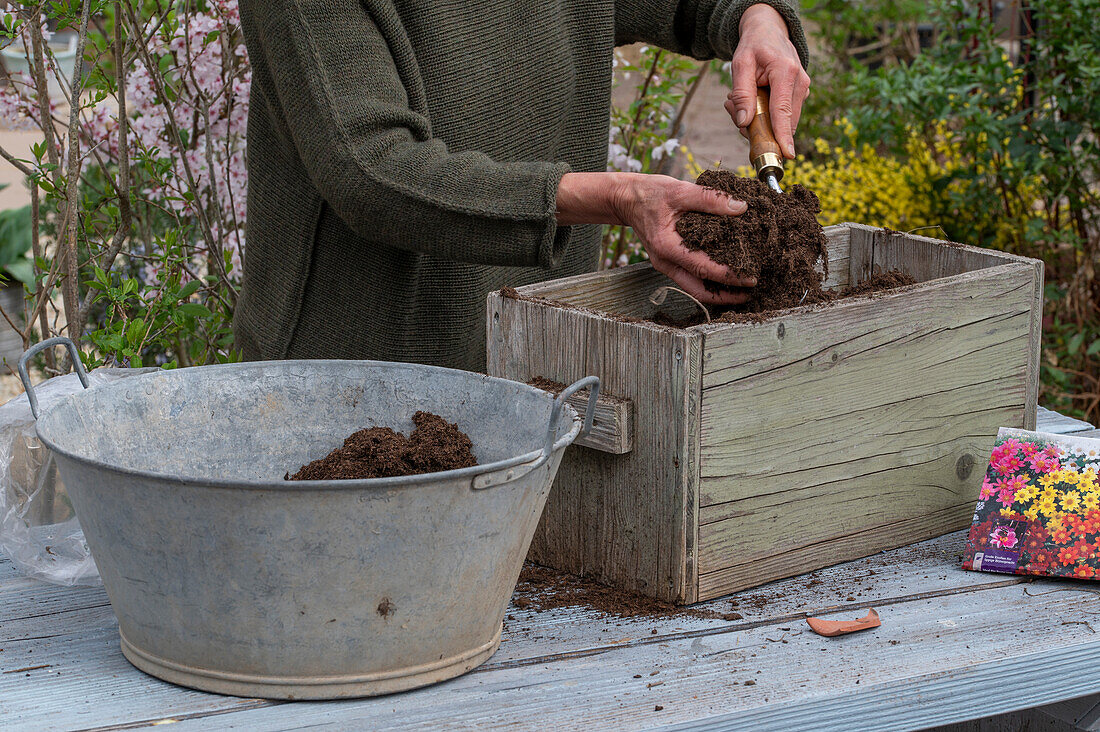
x=1038 y=511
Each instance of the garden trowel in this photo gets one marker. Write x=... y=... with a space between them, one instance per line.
x=764 y=152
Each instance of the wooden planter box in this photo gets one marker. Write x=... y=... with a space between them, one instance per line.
x=760 y=451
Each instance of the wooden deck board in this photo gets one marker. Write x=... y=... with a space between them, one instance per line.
x=954 y=645
x=555 y=656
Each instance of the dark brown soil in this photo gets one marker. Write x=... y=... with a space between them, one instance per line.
x=873 y=285
x=877 y=283
x=541 y=382
x=379 y=452
x=541 y=588
x=777 y=240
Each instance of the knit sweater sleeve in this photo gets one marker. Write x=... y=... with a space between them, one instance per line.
x=371 y=153
x=699 y=28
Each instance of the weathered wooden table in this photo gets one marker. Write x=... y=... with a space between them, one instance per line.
x=953 y=646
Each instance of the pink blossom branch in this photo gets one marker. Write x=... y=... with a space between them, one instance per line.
x=204 y=221
x=39 y=288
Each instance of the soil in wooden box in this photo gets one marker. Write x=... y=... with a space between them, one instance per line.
x=379 y=452
x=778 y=241
x=764 y=449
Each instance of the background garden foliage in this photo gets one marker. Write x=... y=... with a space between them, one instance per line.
x=933 y=116
x=923 y=115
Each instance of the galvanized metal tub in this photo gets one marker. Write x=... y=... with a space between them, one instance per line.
x=226 y=578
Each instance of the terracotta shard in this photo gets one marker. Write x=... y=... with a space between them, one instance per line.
x=830 y=628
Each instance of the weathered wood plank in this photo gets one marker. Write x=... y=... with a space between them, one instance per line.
x=597 y=520
x=839 y=238
x=98 y=689
x=891 y=457
x=1059 y=424
x=849 y=447
x=921 y=668
x=800 y=557
x=621 y=291
x=612 y=422
x=924 y=258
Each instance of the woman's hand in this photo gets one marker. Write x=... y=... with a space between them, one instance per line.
x=651 y=205
x=765 y=56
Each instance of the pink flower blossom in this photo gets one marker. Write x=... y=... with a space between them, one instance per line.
x=1040 y=462
x=209 y=73
x=1003 y=537
x=1006 y=448
x=1007 y=464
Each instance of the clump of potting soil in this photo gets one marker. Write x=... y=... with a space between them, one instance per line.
x=379 y=452
x=778 y=241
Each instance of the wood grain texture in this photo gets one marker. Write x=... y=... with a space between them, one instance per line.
x=816 y=436
x=619 y=518
x=918 y=670
x=879 y=250
x=1059 y=424
x=858 y=427
x=839 y=248
x=612 y=422
x=575 y=668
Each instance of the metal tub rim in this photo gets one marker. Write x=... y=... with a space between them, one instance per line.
x=526 y=461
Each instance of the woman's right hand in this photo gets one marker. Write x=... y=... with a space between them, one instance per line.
x=651 y=205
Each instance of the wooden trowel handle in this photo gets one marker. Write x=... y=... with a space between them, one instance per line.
x=764 y=151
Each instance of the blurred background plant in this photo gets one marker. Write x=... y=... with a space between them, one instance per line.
x=972 y=120
x=137 y=182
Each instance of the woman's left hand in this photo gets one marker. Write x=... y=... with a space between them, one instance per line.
x=765 y=56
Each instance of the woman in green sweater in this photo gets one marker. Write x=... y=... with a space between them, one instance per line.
x=406 y=157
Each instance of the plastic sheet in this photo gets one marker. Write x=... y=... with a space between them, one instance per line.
x=39 y=530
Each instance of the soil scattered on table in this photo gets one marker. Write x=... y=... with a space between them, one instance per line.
x=542 y=588
x=379 y=452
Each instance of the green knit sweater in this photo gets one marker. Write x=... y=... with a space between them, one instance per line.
x=404 y=158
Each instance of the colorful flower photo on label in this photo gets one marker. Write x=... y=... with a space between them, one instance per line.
x=1038 y=509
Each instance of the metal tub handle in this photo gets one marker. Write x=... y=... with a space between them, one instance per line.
x=37 y=348
x=505 y=473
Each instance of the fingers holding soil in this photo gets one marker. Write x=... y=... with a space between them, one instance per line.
x=701 y=266
x=698 y=288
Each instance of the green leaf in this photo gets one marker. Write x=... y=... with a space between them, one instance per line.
x=195 y=309
x=1073 y=345
x=189 y=289
x=15 y=234
x=135 y=332
x=22 y=270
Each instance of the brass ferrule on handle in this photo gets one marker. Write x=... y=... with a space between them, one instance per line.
x=764 y=152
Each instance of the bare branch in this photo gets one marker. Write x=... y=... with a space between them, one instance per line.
x=123 y=185
x=19 y=164
x=43 y=90
x=70 y=292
